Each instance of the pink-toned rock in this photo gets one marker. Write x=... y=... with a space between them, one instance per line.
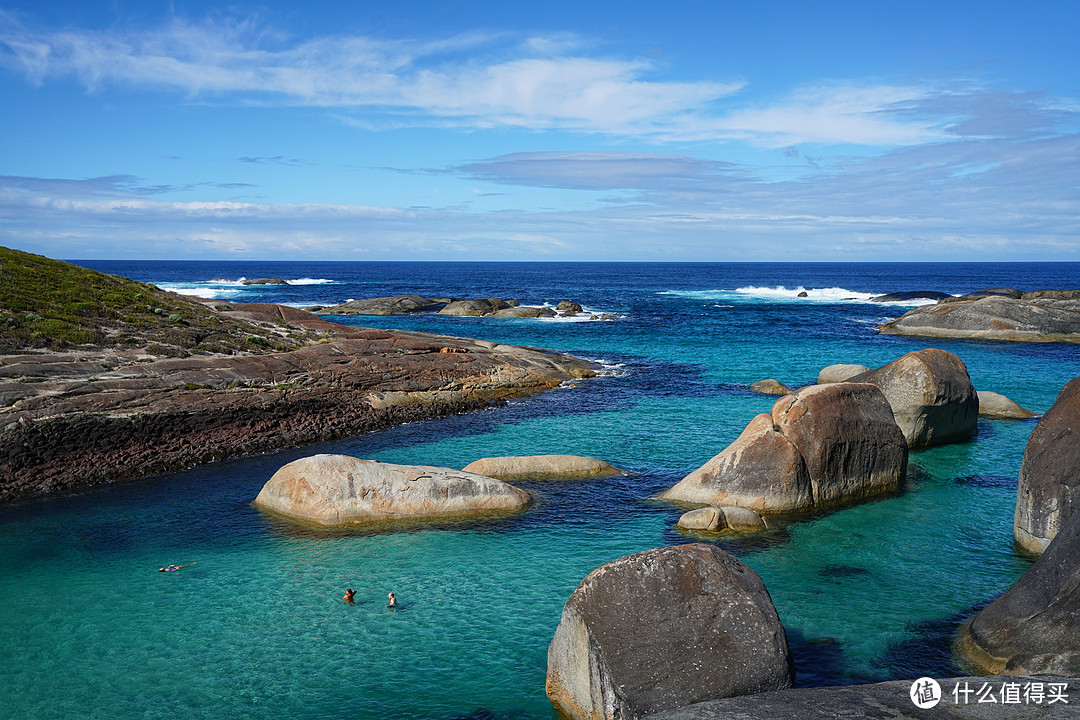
x=338 y=490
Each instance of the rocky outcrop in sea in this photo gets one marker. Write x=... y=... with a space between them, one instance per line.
x=996 y=314
x=545 y=467
x=470 y=307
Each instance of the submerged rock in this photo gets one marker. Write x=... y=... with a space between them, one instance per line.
x=1048 y=492
x=998 y=407
x=839 y=373
x=931 y=396
x=823 y=445
x=1035 y=625
x=665 y=628
x=561 y=467
x=338 y=490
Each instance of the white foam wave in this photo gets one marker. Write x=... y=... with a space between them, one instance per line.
x=208 y=293
x=310 y=281
x=784 y=294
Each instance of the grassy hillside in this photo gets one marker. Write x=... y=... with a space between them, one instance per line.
x=51 y=304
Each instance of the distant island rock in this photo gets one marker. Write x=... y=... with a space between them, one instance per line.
x=664 y=628
x=264 y=281
x=104 y=378
x=475 y=307
x=339 y=491
x=909 y=295
x=549 y=467
x=996 y=314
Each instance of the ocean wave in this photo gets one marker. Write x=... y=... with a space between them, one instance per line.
x=200 y=290
x=311 y=281
x=784 y=294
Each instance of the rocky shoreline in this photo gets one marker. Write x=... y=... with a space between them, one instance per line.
x=76 y=419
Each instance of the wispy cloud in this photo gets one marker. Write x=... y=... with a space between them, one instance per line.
x=478 y=80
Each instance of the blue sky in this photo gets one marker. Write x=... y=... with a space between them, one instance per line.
x=712 y=131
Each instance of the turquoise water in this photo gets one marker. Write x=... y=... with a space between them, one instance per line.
x=257 y=627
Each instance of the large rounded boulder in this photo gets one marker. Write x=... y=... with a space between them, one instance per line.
x=840 y=373
x=548 y=467
x=338 y=490
x=662 y=629
x=823 y=445
x=998 y=407
x=931 y=396
x=1034 y=628
x=1048 y=492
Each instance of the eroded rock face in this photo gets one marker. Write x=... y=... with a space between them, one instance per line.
x=931 y=396
x=665 y=628
x=1048 y=492
x=338 y=490
x=560 y=467
x=394 y=305
x=998 y=407
x=839 y=373
x=823 y=445
x=1036 y=623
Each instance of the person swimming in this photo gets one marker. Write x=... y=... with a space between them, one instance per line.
x=174 y=568
x=350 y=594
x=393 y=600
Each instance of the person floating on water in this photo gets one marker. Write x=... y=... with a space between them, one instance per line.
x=174 y=568
x=349 y=595
x=393 y=600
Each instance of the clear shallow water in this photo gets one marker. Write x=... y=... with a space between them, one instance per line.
x=257 y=626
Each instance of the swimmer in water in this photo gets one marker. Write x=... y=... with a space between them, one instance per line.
x=393 y=600
x=174 y=568
x=349 y=595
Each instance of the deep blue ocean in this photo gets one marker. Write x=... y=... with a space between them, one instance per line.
x=257 y=628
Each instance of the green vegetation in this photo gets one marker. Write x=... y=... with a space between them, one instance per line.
x=51 y=304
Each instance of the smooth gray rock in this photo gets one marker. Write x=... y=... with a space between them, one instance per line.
x=524 y=311
x=1051 y=318
x=887 y=701
x=998 y=407
x=931 y=396
x=468 y=308
x=338 y=490
x=664 y=628
x=823 y=445
x=1048 y=492
x=839 y=373
x=394 y=305
x=1038 y=616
